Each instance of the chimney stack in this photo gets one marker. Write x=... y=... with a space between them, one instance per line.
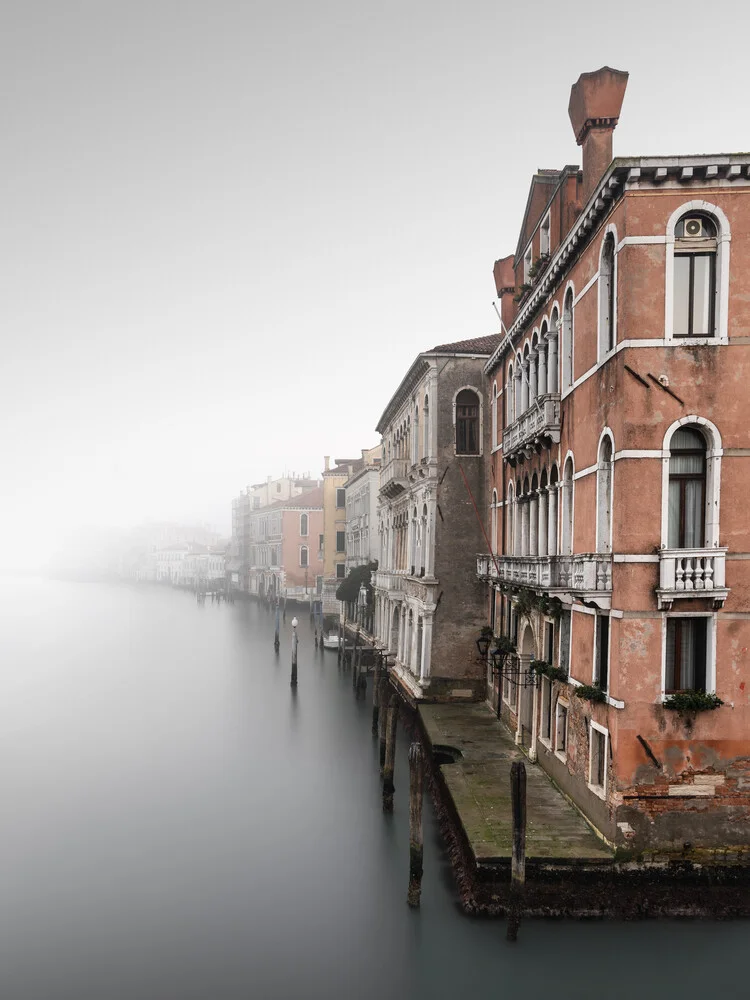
x=505 y=285
x=594 y=110
x=327 y=460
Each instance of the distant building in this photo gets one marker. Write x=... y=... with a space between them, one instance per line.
x=429 y=605
x=361 y=495
x=334 y=528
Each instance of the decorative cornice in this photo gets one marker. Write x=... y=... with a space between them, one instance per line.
x=590 y=123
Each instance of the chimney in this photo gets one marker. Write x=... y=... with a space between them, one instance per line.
x=505 y=285
x=594 y=110
x=327 y=460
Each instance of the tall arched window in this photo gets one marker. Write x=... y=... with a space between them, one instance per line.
x=525 y=380
x=423 y=560
x=534 y=388
x=467 y=423
x=552 y=513
x=426 y=419
x=509 y=389
x=303 y=556
x=510 y=513
x=494 y=414
x=417 y=444
x=695 y=247
x=687 y=489
x=567 y=508
x=567 y=341
x=607 y=296
x=604 y=497
x=493 y=521
x=303 y=524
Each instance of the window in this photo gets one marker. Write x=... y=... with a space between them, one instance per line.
x=561 y=727
x=549 y=641
x=527 y=265
x=303 y=519
x=320 y=542
x=467 y=423
x=278 y=487
x=694 y=288
x=544 y=244
x=687 y=489
x=567 y=341
x=493 y=521
x=426 y=419
x=340 y=571
x=494 y=414
x=607 y=296
x=601 y=651
x=341 y=498
x=598 y=747
x=341 y=541
x=303 y=556
x=686 y=655
x=604 y=496
x=256 y=503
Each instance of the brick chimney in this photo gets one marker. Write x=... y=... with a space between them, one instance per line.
x=594 y=110
x=505 y=282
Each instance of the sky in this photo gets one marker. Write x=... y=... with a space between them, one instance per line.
x=228 y=228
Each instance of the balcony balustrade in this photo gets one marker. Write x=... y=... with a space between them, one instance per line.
x=587 y=575
x=691 y=573
x=538 y=425
x=393 y=477
x=389 y=580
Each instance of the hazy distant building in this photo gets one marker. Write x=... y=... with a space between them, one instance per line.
x=361 y=495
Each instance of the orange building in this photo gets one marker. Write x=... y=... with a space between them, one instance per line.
x=619 y=469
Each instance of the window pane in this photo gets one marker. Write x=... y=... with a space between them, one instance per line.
x=693 y=515
x=681 y=294
x=673 y=532
x=702 y=296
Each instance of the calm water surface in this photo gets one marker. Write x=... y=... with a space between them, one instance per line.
x=177 y=824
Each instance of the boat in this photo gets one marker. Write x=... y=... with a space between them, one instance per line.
x=331 y=640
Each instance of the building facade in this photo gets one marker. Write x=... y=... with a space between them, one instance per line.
x=428 y=602
x=619 y=561
x=334 y=529
x=286 y=561
x=361 y=496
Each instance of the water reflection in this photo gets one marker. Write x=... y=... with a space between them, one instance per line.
x=179 y=822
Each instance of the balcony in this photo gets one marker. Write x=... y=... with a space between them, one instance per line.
x=393 y=477
x=586 y=575
x=390 y=580
x=691 y=573
x=537 y=427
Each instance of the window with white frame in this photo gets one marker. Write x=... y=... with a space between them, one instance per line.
x=561 y=727
x=607 y=296
x=566 y=349
x=340 y=571
x=604 y=496
x=494 y=414
x=304 y=554
x=527 y=261
x=467 y=423
x=598 y=750
x=687 y=653
x=546 y=726
x=601 y=651
x=694 y=287
x=544 y=241
x=493 y=521
x=303 y=524
x=687 y=489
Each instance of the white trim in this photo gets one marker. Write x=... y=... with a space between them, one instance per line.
x=546 y=218
x=582 y=610
x=599 y=790
x=561 y=703
x=713 y=479
x=585 y=472
x=721 y=292
x=637 y=241
x=602 y=350
x=635 y=558
x=594 y=680
x=589 y=284
x=606 y=433
x=638 y=453
x=562 y=342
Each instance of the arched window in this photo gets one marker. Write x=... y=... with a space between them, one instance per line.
x=509 y=389
x=494 y=414
x=542 y=374
x=493 y=522
x=687 y=489
x=607 y=296
x=510 y=513
x=467 y=423
x=604 y=496
x=426 y=420
x=552 y=513
x=416 y=441
x=567 y=341
x=567 y=508
x=525 y=380
x=694 y=288
x=543 y=515
x=423 y=562
x=303 y=556
x=534 y=516
x=303 y=523
x=534 y=389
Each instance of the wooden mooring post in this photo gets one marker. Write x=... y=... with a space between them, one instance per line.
x=390 y=753
x=416 y=839
x=376 y=694
x=276 y=641
x=294 y=652
x=341 y=642
x=518 y=858
x=383 y=702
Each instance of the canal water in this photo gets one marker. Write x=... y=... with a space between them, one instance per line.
x=177 y=823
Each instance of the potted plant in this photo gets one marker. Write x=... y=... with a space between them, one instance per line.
x=692 y=701
x=591 y=692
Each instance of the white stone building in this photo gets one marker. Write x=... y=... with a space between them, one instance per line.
x=362 y=487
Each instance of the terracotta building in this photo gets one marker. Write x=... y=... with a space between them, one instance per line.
x=428 y=601
x=619 y=471
x=286 y=559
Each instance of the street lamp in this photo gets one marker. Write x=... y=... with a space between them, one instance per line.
x=295 y=623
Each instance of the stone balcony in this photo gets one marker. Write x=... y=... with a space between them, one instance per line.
x=691 y=573
x=586 y=575
x=394 y=477
x=537 y=427
x=390 y=580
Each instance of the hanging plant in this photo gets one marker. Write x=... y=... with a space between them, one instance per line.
x=692 y=701
x=591 y=692
x=526 y=602
x=544 y=669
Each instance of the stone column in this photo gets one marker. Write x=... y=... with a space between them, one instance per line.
x=533 y=525
x=517 y=532
x=525 y=388
x=552 y=382
x=413 y=665
x=543 y=540
x=424 y=667
x=532 y=379
x=524 y=527
x=552 y=521
x=517 y=394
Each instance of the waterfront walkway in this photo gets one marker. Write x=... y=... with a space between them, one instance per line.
x=479 y=784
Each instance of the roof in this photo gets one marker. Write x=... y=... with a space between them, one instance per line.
x=312 y=498
x=479 y=345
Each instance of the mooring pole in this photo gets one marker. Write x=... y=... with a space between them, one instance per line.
x=295 y=623
x=383 y=702
x=518 y=859
x=375 y=694
x=276 y=641
x=390 y=753
x=341 y=633
x=416 y=842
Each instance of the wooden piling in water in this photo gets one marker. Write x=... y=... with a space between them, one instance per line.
x=383 y=701
x=376 y=694
x=390 y=753
x=276 y=641
x=416 y=839
x=518 y=857
x=341 y=643
x=294 y=658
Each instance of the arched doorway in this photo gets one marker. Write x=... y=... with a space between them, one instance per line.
x=525 y=691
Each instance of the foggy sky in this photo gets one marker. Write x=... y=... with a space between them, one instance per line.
x=229 y=227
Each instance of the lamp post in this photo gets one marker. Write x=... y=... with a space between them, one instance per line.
x=295 y=623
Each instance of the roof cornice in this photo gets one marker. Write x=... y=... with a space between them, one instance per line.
x=623 y=173
x=419 y=368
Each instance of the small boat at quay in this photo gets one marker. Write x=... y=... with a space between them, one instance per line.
x=330 y=640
